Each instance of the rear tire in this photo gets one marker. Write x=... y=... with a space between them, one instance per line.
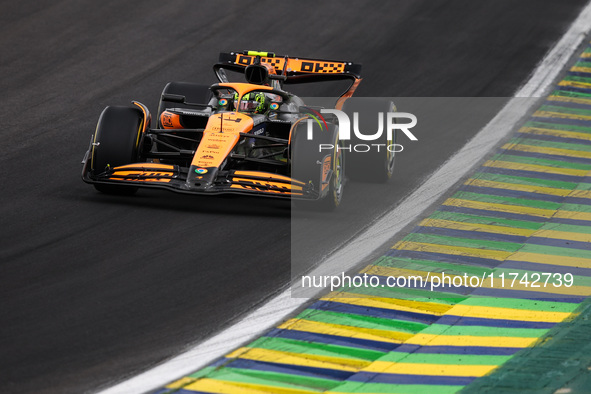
x=117 y=141
x=375 y=165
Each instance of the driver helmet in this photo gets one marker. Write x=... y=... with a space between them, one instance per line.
x=251 y=102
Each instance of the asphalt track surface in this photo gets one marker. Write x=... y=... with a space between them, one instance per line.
x=95 y=288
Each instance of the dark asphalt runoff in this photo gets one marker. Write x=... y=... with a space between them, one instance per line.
x=96 y=288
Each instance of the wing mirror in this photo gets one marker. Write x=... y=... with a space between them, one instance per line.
x=173 y=98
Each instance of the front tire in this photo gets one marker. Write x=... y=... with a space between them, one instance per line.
x=308 y=162
x=116 y=143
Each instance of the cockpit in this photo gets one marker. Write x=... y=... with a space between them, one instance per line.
x=226 y=98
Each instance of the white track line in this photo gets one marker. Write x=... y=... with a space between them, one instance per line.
x=275 y=310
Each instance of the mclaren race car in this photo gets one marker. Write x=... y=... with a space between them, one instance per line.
x=249 y=137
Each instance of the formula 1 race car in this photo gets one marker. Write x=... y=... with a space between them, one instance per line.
x=250 y=138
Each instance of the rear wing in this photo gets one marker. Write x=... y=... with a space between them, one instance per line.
x=294 y=69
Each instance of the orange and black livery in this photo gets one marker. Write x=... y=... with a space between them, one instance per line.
x=249 y=137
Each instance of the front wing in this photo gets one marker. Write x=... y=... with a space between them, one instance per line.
x=175 y=178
